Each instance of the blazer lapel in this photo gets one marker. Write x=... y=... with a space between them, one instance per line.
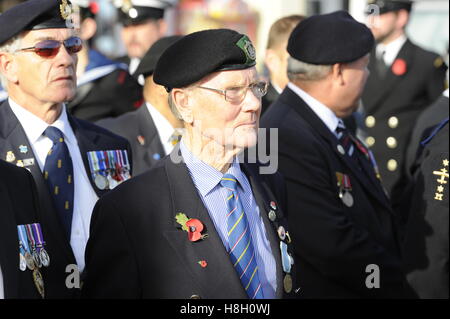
x=317 y=124
x=185 y=199
x=9 y=247
x=383 y=86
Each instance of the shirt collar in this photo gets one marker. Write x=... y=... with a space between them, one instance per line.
x=445 y=93
x=34 y=127
x=165 y=129
x=206 y=177
x=322 y=111
x=391 y=50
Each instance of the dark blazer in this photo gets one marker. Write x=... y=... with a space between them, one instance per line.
x=425 y=248
x=333 y=243
x=269 y=98
x=140 y=130
x=401 y=96
x=90 y=138
x=137 y=250
x=19 y=203
x=109 y=96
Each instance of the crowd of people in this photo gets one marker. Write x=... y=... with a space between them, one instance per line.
x=134 y=178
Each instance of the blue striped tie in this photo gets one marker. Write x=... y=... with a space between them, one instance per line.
x=241 y=251
x=58 y=173
x=344 y=138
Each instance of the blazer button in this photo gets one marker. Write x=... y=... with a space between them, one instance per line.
x=370 y=141
x=392 y=165
x=391 y=142
x=393 y=122
x=195 y=297
x=370 y=121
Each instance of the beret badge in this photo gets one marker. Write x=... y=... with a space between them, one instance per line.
x=246 y=45
x=65 y=9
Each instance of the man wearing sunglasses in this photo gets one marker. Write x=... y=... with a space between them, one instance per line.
x=37 y=65
x=201 y=223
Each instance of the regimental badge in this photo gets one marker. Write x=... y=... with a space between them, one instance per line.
x=247 y=46
x=442 y=181
x=65 y=9
x=23 y=149
x=10 y=157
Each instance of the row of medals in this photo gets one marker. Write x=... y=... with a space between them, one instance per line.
x=34 y=262
x=109 y=181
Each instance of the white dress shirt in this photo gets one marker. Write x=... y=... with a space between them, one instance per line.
x=2 y=294
x=323 y=112
x=84 y=195
x=391 y=50
x=164 y=128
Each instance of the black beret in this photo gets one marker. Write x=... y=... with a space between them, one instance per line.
x=34 y=15
x=330 y=38
x=385 y=6
x=198 y=54
x=148 y=62
x=137 y=11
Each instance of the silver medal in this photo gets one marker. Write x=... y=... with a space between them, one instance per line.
x=347 y=199
x=22 y=263
x=101 y=181
x=44 y=257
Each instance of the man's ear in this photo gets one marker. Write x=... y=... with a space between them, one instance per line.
x=182 y=100
x=337 y=74
x=272 y=61
x=162 y=26
x=88 y=29
x=8 y=67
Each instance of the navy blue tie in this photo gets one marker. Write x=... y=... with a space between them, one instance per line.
x=58 y=173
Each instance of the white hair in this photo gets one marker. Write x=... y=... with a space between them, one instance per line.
x=10 y=46
x=302 y=71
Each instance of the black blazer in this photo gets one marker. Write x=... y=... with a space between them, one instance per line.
x=269 y=98
x=137 y=250
x=403 y=96
x=333 y=243
x=19 y=201
x=139 y=129
x=90 y=138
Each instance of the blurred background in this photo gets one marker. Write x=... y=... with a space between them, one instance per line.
x=429 y=26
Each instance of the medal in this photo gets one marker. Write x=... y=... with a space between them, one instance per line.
x=100 y=181
x=39 y=282
x=22 y=262
x=25 y=248
x=285 y=258
x=281 y=233
x=347 y=199
x=287 y=283
x=345 y=188
x=272 y=215
x=34 y=252
x=41 y=255
x=29 y=261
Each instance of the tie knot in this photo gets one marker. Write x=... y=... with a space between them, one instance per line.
x=54 y=134
x=229 y=181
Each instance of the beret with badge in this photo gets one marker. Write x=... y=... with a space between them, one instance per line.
x=198 y=54
x=148 y=63
x=330 y=38
x=34 y=15
x=385 y=6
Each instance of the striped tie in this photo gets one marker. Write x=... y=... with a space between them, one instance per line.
x=58 y=173
x=241 y=251
x=344 y=138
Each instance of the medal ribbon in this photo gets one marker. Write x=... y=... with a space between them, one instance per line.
x=31 y=237
x=102 y=163
x=93 y=164
x=23 y=239
x=37 y=231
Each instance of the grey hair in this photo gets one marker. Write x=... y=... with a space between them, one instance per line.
x=301 y=71
x=10 y=46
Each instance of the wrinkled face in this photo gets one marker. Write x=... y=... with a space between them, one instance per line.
x=231 y=124
x=46 y=79
x=383 y=26
x=138 y=38
x=355 y=76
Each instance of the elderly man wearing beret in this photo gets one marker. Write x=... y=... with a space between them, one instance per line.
x=66 y=156
x=342 y=224
x=200 y=224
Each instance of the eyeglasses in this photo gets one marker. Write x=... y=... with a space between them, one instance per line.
x=50 y=48
x=238 y=94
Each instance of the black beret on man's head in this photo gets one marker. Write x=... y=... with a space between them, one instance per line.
x=198 y=54
x=148 y=63
x=34 y=15
x=330 y=38
x=385 y=6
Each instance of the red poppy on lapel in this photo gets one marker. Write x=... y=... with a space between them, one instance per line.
x=399 y=67
x=194 y=227
x=203 y=263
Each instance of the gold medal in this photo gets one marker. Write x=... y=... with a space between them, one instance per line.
x=39 y=282
x=287 y=282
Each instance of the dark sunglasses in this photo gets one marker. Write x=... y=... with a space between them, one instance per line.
x=50 y=48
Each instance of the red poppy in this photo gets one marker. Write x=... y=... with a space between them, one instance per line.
x=203 y=263
x=399 y=67
x=195 y=228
